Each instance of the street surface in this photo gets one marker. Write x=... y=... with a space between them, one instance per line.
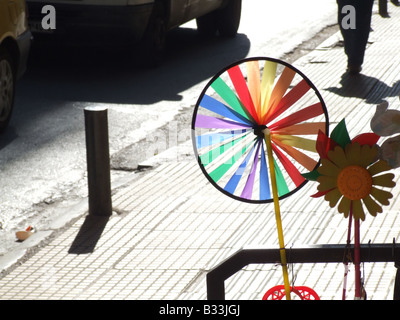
x=43 y=156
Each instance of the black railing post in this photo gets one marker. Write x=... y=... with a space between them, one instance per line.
x=98 y=161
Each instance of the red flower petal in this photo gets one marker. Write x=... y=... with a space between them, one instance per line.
x=320 y=194
x=366 y=138
x=324 y=144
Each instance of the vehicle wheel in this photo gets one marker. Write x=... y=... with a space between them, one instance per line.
x=154 y=41
x=7 y=88
x=229 y=18
x=207 y=24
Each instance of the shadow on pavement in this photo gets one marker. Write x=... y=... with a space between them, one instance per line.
x=115 y=73
x=373 y=90
x=62 y=78
x=88 y=235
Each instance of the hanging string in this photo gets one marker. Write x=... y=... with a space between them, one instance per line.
x=291 y=268
x=347 y=257
x=363 y=291
x=357 y=258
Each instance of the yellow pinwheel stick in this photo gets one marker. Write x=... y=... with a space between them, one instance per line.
x=267 y=138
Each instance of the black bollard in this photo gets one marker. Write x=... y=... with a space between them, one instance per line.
x=98 y=161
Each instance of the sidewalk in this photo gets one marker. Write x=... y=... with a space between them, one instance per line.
x=171 y=226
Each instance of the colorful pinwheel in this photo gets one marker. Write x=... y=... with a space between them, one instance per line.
x=237 y=108
x=352 y=177
x=254 y=131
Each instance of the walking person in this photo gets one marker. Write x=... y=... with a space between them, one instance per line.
x=354 y=17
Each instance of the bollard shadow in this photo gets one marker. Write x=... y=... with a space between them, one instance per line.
x=373 y=90
x=88 y=235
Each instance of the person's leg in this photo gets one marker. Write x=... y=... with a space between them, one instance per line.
x=355 y=40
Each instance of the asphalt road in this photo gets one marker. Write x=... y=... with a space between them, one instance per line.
x=43 y=155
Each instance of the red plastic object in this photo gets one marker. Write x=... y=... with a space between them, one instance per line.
x=278 y=293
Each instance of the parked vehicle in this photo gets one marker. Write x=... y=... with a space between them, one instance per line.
x=15 y=40
x=136 y=20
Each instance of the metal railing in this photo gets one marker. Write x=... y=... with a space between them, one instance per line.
x=310 y=254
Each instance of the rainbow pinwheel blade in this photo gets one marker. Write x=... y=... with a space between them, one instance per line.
x=229 y=122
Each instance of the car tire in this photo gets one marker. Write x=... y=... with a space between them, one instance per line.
x=229 y=18
x=7 y=88
x=154 y=41
x=207 y=24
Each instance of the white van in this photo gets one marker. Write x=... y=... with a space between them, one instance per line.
x=135 y=20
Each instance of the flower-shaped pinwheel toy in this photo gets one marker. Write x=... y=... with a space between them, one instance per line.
x=351 y=175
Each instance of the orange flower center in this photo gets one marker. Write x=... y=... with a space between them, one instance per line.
x=354 y=182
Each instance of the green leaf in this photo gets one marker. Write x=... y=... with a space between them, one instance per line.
x=312 y=176
x=340 y=134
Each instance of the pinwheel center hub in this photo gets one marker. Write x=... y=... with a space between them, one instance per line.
x=354 y=182
x=259 y=130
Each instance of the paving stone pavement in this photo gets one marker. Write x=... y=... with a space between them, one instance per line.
x=170 y=226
